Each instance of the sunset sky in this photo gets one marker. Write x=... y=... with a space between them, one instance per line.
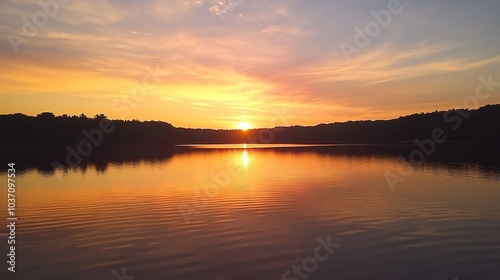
x=217 y=64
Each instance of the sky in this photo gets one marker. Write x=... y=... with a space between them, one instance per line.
x=224 y=63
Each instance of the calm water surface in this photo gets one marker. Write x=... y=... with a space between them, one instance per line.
x=241 y=214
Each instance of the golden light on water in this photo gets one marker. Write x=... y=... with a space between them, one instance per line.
x=245 y=158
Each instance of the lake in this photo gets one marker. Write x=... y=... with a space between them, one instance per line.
x=260 y=212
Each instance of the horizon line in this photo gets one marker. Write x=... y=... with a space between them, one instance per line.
x=257 y=128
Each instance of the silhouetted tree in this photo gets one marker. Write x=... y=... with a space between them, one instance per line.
x=481 y=125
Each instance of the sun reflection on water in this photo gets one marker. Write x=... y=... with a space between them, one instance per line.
x=245 y=158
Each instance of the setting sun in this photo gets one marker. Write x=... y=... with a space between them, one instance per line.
x=244 y=126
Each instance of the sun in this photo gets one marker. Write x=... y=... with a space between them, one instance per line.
x=244 y=125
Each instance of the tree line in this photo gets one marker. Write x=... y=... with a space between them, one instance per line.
x=46 y=129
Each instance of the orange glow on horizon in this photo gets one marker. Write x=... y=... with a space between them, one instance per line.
x=244 y=126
